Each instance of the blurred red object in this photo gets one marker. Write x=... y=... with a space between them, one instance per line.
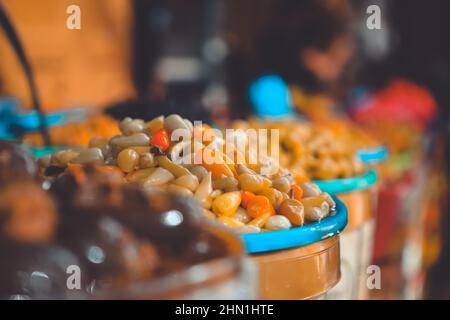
x=401 y=101
x=390 y=205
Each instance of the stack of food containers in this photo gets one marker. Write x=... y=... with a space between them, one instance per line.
x=312 y=151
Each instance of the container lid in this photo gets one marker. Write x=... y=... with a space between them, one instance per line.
x=358 y=183
x=299 y=236
x=373 y=155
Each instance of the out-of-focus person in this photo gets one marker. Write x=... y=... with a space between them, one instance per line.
x=310 y=45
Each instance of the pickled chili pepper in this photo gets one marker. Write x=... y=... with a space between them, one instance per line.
x=216 y=164
x=260 y=205
x=161 y=139
x=247 y=196
x=297 y=192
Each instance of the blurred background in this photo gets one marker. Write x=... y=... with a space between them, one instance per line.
x=221 y=60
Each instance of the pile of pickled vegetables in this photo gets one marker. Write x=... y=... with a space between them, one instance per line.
x=233 y=190
x=351 y=133
x=312 y=151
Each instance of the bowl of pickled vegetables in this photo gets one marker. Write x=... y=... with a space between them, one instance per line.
x=235 y=192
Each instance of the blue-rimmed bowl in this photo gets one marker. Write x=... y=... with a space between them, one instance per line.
x=373 y=155
x=299 y=236
x=358 y=183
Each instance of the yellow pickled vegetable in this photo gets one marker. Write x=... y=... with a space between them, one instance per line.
x=188 y=181
x=141 y=150
x=294 y=211
x=314 y=201
x=127 y=160
x=159 y=177
x=278 y=222
x=275 y=197
x=242 y=215
x=203 y=192
x=227 y=203
x=180 y=190
x=175 y=169
x=230 y=222
x=155 y=124
x=261 y=220
x=282 y=184
x=139 y=175
x=253 y=182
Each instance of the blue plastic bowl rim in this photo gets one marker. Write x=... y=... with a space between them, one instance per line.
x=299 y=236
x=346 y=185
x=373 y=155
